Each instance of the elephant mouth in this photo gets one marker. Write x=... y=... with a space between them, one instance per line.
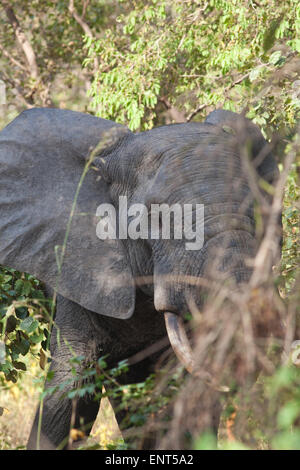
x=179 y=340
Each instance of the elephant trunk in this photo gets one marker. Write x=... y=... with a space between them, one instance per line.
x=232 y=264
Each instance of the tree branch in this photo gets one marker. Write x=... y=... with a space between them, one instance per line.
x=87 y=30
x=196 y=111
x=12 y=59
x=79 y=19
x=227 y=89
x=17 y=88
x=22 y=40
x=268 y=250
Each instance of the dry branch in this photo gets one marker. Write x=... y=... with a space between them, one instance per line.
x=83 y=24
x=22 y=40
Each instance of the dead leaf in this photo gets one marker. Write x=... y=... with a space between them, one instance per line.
x=76 y=434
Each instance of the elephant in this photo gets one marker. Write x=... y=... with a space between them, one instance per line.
x=117 y=296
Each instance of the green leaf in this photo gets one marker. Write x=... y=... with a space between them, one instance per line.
x=21 y=346
x=36 y=338
x=19 y=285
x=26 y=288
x=275 y=57
x=29 y=324
x=254 y=74
x=11 y=324
x=21 y=312
x=288 y=414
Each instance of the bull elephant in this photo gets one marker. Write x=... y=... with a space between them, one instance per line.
x=102 y=307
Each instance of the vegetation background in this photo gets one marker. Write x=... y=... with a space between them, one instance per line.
x=143 y=64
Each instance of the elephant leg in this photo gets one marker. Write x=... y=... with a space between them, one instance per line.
x=58 y=413
x=56 y=424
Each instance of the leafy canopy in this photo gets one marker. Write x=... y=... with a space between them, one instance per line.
x=198 y=54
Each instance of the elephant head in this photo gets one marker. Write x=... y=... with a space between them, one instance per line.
x=48 y=211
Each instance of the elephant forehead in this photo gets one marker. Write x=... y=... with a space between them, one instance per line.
x=196 y=174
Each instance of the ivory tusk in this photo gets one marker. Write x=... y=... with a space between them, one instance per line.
x=179 y=340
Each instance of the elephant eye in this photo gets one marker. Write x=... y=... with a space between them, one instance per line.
x=102 y=167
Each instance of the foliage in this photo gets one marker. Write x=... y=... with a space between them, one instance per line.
x=51 y=75
x=139 y=401
x=283 y=390
x=290 y=260
x=214 y=53
x=23 y=316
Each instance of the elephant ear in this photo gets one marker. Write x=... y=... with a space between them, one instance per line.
x=43 y=154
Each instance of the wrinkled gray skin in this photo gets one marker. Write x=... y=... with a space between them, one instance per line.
x=100 y=311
